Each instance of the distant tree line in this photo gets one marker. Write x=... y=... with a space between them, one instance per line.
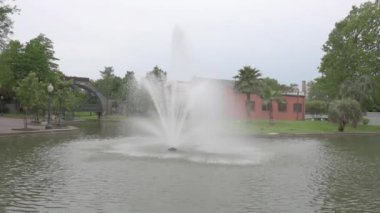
x=127 y=92
x=350 y=68
x=25 y=72
x=26 y=69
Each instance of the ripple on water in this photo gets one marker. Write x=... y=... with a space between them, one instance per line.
x=226 y=153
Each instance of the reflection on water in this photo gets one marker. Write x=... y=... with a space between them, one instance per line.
x=97 y=170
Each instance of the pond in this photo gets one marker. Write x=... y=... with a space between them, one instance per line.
x=108 y=167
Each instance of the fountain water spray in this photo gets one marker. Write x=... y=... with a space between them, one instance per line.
x=186 y=112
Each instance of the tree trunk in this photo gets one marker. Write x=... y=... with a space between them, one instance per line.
x=341 y=126
x=26 y=120
x=59 y=112
x=270 y=115
x=248 y=106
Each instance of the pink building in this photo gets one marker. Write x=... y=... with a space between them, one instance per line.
x=292 y=107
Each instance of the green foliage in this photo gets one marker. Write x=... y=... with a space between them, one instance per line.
x=144 y=102
x=318 y=90
x=65 y=98
x=345 y=111
x=110 y=86
x=10 y=61
x=365 y=121
x=155 y=81
x=39 y=58
x=32 y=67
x=157 y=75
x=18 y=60
x=316 y=107
x=294 y=127
x=360 y=89
x=6 y=23
x=31 y=93
x=269 y=94
x=130 y=87
x=274 y=85
x=352 y=49
x=247 y=82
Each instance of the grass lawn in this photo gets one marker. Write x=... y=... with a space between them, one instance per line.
x=294 y=127
x=94 y=116
x=252 y=127
x=81 y=115
x=86 y=115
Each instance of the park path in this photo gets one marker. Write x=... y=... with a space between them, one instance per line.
x=7 y=126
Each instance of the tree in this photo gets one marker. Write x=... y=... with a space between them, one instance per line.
x=39 y=58
x=130 y=88
x=345 y=111
x=270 y=94
x=64 y=98
x=274 y=85
x=6 y=23
x=318 y=90
x=153 y=89
x=157 y=75
x=316 y=107
x=360 y=89
x=10 y=66
x=110 y=85
x=32 y=94
x=352 y=49
x=104 y=85
x=247 y=82
x=18 y=60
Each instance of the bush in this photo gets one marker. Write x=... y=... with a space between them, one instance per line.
x=316 y=107
x=4 y=109
x=365 y=121
x=345 y=111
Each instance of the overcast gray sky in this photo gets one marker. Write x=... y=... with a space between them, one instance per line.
x=283 y=38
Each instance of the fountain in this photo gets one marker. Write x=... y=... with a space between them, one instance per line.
x=188 y=121
x=184 y=110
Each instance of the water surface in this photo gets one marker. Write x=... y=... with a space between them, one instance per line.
x=104 y=169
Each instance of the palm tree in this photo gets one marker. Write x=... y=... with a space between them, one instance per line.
x=269 y=95
x=247 y=82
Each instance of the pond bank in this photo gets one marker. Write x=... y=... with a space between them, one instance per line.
x=14 y=126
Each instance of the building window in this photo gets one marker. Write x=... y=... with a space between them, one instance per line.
x=250 y=105
x=266 y=107
x=282 y=106
x=297 y=107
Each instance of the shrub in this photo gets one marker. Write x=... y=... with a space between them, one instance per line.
x=345 y=111
x=365 y=121
x=4 y=109
x=316 y=107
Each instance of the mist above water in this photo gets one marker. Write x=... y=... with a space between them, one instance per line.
x=183 y=63
x=189 y=116
x=185 y=111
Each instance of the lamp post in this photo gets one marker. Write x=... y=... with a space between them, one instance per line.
x=50 y=89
